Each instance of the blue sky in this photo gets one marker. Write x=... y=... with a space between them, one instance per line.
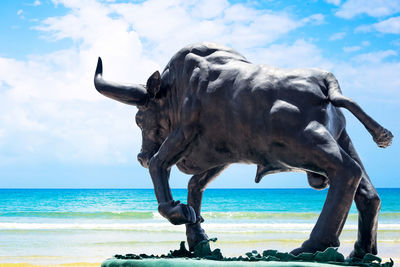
x=57 y=131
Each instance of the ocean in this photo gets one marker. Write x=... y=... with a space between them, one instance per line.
x=52 y=226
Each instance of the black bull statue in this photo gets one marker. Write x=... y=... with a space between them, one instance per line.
x=211 y=107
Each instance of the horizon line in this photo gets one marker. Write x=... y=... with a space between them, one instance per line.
x=89 y=188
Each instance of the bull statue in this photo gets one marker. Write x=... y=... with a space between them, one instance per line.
x=211 y=107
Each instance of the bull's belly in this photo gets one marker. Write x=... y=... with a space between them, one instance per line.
x=197 y=162
x=266 y=164
x=202 y=156
x=207 y=153
x=190 y=167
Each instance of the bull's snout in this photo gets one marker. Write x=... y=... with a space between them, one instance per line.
x=143 y=160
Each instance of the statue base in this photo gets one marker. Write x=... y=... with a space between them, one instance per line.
x=204 y=256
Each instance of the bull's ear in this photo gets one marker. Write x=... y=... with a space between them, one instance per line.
x=153 y=84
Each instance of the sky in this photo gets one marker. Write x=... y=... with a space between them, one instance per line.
x=56 y=131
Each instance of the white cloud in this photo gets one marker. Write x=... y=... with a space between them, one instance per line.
x=167 y=25
x=376 y=80
x=391 y=25
x=37 y=3
x=335 y=2
x=363 y=28
x=300 y=54
x=375 y=57
x=337 y=36
x=373 y=8
x=315 y=19
x=365 y=43
x=51 y=103
x=349 y=49
x=209 y=9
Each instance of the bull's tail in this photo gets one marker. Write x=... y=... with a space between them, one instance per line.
x=381 y=136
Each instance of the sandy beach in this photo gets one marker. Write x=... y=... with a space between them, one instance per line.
x=234 y=240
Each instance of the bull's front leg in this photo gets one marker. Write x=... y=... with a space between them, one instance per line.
x=160 y=164
x=197 y=184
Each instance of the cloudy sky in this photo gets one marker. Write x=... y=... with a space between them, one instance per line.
x=57 y=131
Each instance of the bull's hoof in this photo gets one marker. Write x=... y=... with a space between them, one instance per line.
x=359 y=252
x=300 y=250
x=384 y=138
x=310 y=246
x=195 y=234
x=356 y=254
x=195 y=237
x=177 y=213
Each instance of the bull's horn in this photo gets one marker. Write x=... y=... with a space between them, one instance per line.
x=134 y=94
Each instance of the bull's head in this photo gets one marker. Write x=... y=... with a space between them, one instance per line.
x=148 y=117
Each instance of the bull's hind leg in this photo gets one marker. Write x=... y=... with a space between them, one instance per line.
x=197 y=184
x=319 y=152
x=368 y=204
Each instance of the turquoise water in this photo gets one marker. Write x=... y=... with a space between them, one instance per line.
x=71 y=225
x=123 y=204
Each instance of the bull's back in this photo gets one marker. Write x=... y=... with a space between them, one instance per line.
x=230 y=88
x=258 y=97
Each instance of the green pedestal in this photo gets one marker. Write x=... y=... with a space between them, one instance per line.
x=205 y=257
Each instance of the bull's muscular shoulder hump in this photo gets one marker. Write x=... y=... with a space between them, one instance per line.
x=208 y=53
x=203 y=49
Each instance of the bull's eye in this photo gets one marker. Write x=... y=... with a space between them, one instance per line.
x=139 y=120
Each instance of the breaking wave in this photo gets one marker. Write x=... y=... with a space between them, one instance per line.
x=143 y=215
